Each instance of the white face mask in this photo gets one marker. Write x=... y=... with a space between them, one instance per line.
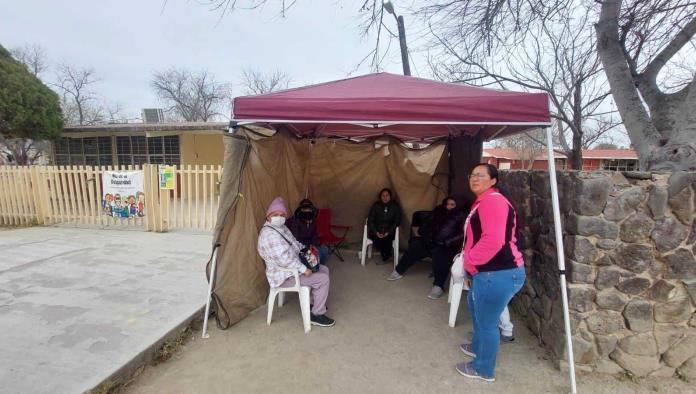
x=277 y=221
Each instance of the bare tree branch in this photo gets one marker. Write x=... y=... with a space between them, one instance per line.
x=257 y=82
x=191 y=96
x=32 y=56
x=77 y=97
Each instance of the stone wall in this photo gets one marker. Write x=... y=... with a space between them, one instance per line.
x=630 y=241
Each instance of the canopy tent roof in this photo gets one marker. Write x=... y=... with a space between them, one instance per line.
x=406 y=107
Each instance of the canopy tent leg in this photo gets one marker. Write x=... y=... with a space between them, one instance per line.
x=560 y=254
x=205 y=334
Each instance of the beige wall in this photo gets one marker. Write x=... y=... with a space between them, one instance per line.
x=201 y=149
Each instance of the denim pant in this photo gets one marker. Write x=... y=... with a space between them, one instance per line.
x=490 y=293
x=323 y=254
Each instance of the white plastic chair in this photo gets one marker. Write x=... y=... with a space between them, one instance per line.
x=454 y=297
x=367 y=247
x=303 y=295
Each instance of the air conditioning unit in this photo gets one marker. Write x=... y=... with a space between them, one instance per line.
x=153 y=115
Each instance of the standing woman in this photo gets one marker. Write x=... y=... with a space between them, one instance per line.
x=384 y=218
x=492 y=258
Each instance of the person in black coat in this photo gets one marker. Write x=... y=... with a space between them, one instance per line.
x=442 y=240
x=384 y=218
x=303 y=226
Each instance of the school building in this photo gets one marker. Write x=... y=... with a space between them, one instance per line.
x=180 y=143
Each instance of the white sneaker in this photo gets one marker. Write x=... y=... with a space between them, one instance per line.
x=395 y=276
x=435 y=293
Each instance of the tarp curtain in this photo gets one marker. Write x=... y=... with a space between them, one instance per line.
x=338 y=174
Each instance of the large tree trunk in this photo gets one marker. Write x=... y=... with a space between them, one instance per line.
x=663 y=138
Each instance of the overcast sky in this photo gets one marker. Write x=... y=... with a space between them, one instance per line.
x=125 y=41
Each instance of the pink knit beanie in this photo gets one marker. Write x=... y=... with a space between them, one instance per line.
x=277 y=205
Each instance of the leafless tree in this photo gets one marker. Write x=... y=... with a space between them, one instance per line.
x=115 y=113
x=527 y=146
x=21 y=151
x=191 y=96
x=637 y=42
x=605 y=145
x=226 y=6
x=372 y=23
x=557 y=56
x=257 y=82
x=33 y=56
x=79 y=101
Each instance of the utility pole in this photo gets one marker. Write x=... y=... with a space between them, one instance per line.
x=387 y=4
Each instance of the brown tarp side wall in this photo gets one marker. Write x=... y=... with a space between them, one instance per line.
x=339 y=174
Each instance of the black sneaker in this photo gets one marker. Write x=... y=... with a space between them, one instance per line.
x=322 y=320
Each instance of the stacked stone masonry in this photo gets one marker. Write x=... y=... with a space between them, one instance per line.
x=630 y=241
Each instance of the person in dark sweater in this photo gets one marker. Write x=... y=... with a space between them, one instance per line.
x=384 y=218
x=441 y=240
x=303 y=227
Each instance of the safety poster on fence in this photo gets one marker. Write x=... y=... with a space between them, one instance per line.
x=123 y=194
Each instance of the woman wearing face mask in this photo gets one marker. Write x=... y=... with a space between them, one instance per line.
x=384 y=218
x=279 y=248
x=303 y=226
x=492 y=258
x=442 y=242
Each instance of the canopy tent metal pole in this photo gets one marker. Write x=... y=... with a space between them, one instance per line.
x=210 y=293
x=560 y=254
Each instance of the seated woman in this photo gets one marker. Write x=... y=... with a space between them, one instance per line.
x=384 y=218
x=442 y=241
x=278 y=248
x=303 y=227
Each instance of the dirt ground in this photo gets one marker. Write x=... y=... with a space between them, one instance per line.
x=388 y=338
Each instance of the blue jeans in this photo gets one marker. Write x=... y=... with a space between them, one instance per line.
x=490 y=293
x=323 y=254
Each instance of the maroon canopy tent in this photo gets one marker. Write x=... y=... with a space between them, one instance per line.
x=406 y=107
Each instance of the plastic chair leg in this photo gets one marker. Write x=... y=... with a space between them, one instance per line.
x=281 y=299
x=369 y=251
x=304 y=308
x=271 y=300
x=456 y=294
x=449 y=292
x=396 y=254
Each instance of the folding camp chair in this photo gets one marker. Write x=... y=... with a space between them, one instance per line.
x=326 y=236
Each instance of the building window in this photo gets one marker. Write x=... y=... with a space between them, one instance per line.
x=619 y=165
x=152 y=150
x=93 y=151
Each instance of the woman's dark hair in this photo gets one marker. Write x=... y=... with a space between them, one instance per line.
x=493 y=173
x=444 y=201
x=491 y=170
x=388 y=190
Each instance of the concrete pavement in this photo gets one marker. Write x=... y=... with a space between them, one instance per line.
x=77 y=305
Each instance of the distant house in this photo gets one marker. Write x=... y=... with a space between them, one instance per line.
x=592 y=159
x=178 y=143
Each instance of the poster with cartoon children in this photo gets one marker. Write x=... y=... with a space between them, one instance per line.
x=123 y=194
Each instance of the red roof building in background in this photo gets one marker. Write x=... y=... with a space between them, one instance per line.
x=592 y=159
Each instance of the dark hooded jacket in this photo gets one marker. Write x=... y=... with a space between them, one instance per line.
x=303 y=230
x=447 y=228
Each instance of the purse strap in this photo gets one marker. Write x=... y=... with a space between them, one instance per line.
x=281 y=234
